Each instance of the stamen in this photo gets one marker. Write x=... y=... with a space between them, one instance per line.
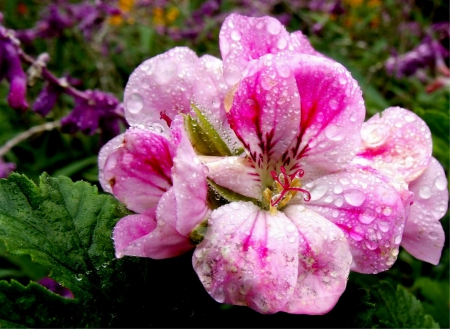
x=163 y=115
x=287 y=187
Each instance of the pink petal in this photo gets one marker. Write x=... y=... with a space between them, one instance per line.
x=324 y=263
x=139 y=170
x=368 y=210
x=265 y=114
x=105 y=151
x=423 y=236
x=234 y=173
x=189 y=182
x=144 y=236
x=397 y=142
x=168 y=83
x=248 y=257
x=243 y=39
x=130 y=233
x=332 y=112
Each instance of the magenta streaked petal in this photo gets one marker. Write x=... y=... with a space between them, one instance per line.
x=332 y=112
x=234 y=173
x=130 y=233
x=243 y=39
x=139 y=170
x=189 y=182
x=369 y=211
x=265 y=114
x=168 y=83
x=105 y=151
x=396 y=142
x=248 y=257
x=324 y=263
x=423 y=236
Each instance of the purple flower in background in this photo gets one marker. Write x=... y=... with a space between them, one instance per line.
x=96 y=110
x=54 y=286
x=47 y=98
x=424 y=55
x=6 y=168
x=11 y=69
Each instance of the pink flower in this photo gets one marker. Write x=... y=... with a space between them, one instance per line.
x=154 y=170
x=398 y=144
x=313 y=216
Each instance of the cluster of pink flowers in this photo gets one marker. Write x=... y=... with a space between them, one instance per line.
x=262 y=162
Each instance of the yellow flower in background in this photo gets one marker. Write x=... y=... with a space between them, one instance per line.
x=354 y=4
x=166 y=17
x=125 y=6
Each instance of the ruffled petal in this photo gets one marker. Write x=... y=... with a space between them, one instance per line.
x=248 y=257
x=265 y=114
x=396 y=142
x=234 y=173
x=139 y=169
x=243 y=39
x=189 y=182
x=130 y=233
x=332 y=112
x=105 y=151
x=368 y=210
x=324 y=263
x=161 y=241
x=169 y=83
x=423 y=236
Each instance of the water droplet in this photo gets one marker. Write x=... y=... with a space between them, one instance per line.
x=425 y=192
x=234 y=205
x=283 y=70
x=318 y=192
x=273 y=26
x=335 y=133
x=440 y=182
x=410 y=117
x=383 y=226
x=387 y=211
x=339 y=202
x=267 y=84
x=367 y=216
x=371 y=245
x=342 y=80
x=397 y=239
x=235 y=35
x=338 y=189
x=329 y=199
x=374 y=134
x=355 y=236
x=335 y=214
x=282 y=43
x=394 y=252
x=353 y=116
x=196 y=160
x=354 y=197
x=344 y=180
x=433 y=235
x=134 y=103
x=333 y=104
x=232 y=74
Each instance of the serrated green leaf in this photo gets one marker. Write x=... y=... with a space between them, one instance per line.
x=67 y=227
x=35 y=306
x=401 y=309
x=436 y=298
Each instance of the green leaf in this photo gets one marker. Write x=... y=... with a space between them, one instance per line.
x=35 y=306
x=67 y=227
x=204 y=137
x=401 y=309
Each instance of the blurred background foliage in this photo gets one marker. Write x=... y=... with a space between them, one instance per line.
x=363 y=35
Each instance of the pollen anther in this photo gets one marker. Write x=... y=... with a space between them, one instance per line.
x=286 y=187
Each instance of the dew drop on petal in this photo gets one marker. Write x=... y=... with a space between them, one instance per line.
x=196 y=160
x=397 y=239
x=235 y=35
x=283 y=70
x=273 y=27
x=410 y=117
x=354 y=197
x=383 y=226
x=440 y=183
x=333 y=104
x=335 y=133
x=425 y=192
x=371 y=245
x=282 y=43
x=338 y=189
x=355 y=236
x=433 y=235
x=318 y=192
x=367 y=216
x=134 y=103
x=338 y=202
x=387 y=211
x=232 y=74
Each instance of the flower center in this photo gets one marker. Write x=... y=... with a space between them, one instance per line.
x=284 y=188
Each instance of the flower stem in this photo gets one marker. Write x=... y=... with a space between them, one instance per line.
x=27 y=134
